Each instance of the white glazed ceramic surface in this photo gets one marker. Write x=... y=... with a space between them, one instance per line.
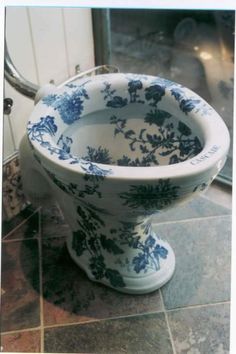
x=114 y=150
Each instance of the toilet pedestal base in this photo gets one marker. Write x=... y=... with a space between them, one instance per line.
x=132 y=282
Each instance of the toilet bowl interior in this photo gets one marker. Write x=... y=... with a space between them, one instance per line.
x=134 y=135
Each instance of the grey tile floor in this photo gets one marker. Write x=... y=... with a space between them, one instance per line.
x=49 y=305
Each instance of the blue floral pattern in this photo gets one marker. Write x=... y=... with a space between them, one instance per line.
x=116 y=101
x=93 y=238
x=90 y=239
x=46 y=127
x=154 y=93
x=112 y=100
x=185 y=104
x=148 y=252
x=153 y=197
x=176 y=143
x=100 y=155
x=65 y=143
x=69 y=105
x=133 y=86
x=149 y=256
x=79 y=193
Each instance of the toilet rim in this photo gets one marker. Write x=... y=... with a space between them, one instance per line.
x=216 y=143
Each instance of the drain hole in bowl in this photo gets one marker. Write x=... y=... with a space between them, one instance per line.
x=133 y=136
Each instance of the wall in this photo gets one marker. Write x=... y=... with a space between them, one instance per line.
x=44 y=44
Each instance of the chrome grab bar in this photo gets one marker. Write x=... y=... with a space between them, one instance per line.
x=29 y=89
x=15 y=79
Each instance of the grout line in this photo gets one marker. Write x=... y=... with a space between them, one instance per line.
x=198 y=306
x=154 y=223
x=41 y=284
x=101 y=320
x=15 y=228
x=21 y=330
x=20 y=240
x=163 y=310
x=167 y=323
x=191 y=219
x=74 y=323
x=19 y=225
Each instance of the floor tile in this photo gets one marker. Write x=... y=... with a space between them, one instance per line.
x=201 y=330
x=10 y=225
x=23 y=342
x=27 y=230
x=20 y=286
x=138 y=334
x=202 y=250
x=220 y=193
x=197 y=208
x=69 y=296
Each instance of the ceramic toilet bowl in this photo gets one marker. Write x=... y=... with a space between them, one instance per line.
x=112 y=151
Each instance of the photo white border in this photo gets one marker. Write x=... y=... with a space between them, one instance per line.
x=152 y=4
x=147 y=4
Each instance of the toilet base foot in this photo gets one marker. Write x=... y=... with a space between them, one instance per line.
x=133 y=282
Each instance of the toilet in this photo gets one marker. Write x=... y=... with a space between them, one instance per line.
x=113 y=150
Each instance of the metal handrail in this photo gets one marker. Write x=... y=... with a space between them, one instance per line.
x=29 y=89
x=15 y=79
